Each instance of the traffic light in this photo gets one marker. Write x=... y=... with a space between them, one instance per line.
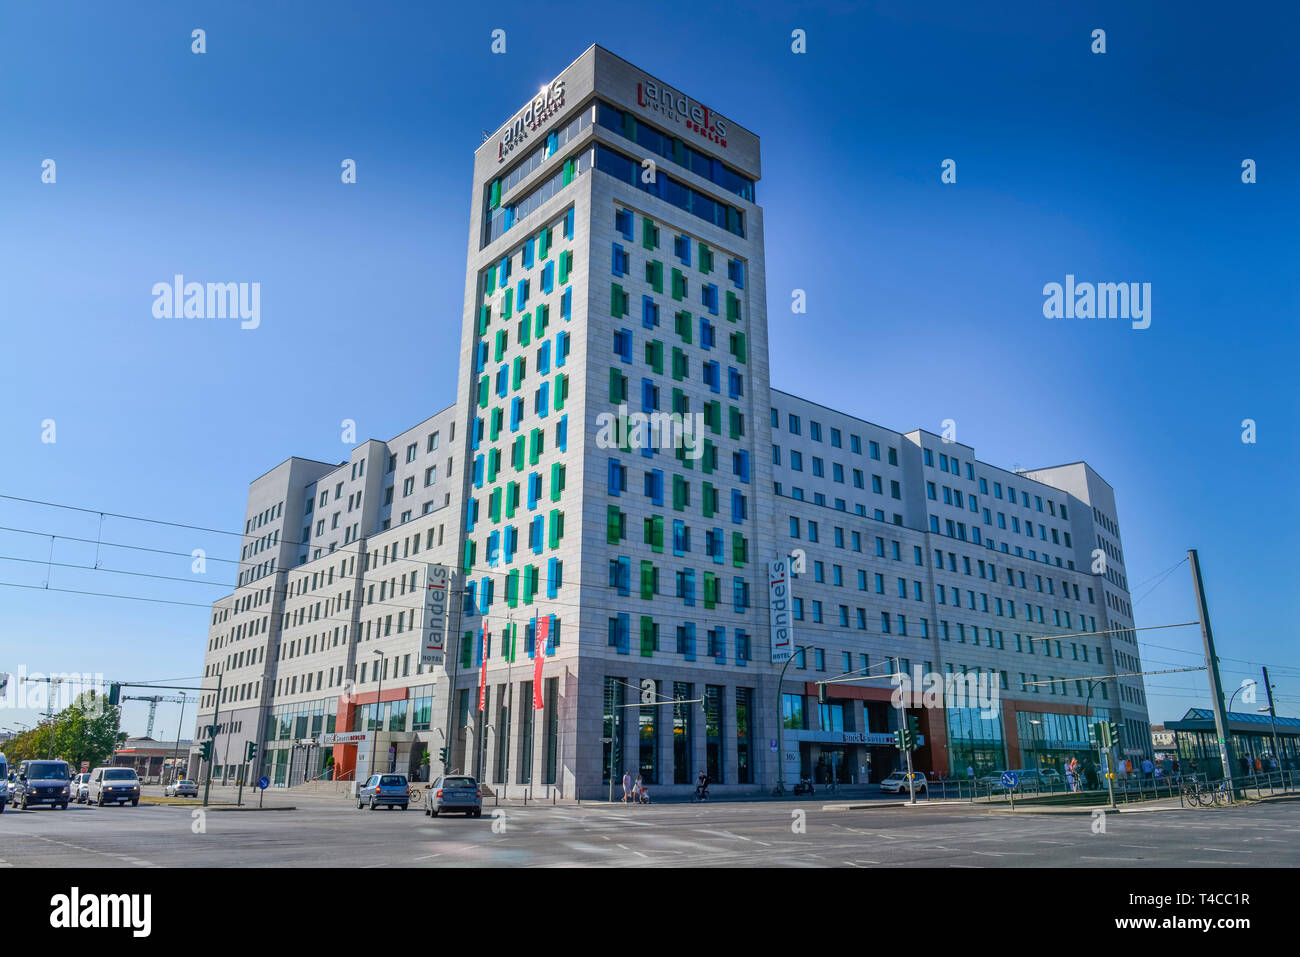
x=250 y=751
x=444 y=755
x=900 y=739
x=1112 y=734
x=205 y=750
x=821 y=693
x=114 y=694
x=912 y=733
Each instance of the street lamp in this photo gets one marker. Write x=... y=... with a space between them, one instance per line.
x=1038 y=756
x=379 y=711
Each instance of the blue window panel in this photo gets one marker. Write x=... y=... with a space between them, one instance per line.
x=478 y=471
x=566 y=303
x=654 y=486
x=516 y=413
x=471 y=590
x=530 y=641
x=562 y=433
x=735 y=384
x=688 y=652
x=618 y=260
x=741 y=465
x=534 y=489
x=568 y=224
x=552 y=577
x=719 y=642
x=548 y=276
x=736 y=272
x=623 y=344
x=485 y=600
x=647 y=449
x=509 y=542
x=679 y=537
x=620 y=574
x=648 y=403
x=543 y=399
x=706 y=334
x=737 y=505
x=528 y=253
x=615 y=484
x=493 y=549
x=482 y=357
x=544 y=358
x=521 y=296
x=623 y=223
x=503 y=381
x=538 y=533
x=709 y=297
x=682 y=249
x=738 y=595
x=476 y=436
x=713 y=376
x=507 y=218
x=688 y=587
x=503 y=272
x=552 y=142
x=561 y=348
x=471 y=515
x=649 y=312
x=718 y=557
x=620 y=627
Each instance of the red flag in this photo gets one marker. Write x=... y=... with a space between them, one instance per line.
x=482 y=675
x=542 y=632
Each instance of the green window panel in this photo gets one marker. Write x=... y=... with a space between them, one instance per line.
x=707 y=458
x=617 y=387
x=681 y=404
x=467 y=650
x=570 y=167
x=649 y=636
x=512 y=498
x=484 y=386
x=542 y=320
x=470 y=553
x=557 y=481
x=713 y=416
x=654 y=356
x=710 y=590
x=614 y=525
x=733 y=307
x=544 y=243
x=681 y=493
x=484 y=317
x=512 y=588
x=557 y=528
x=649 y=234
x=739 y=550
x=495 y=424
x=617 y=301
x=530 y=583
x=493 y=464
x=654 y=275
x=679 y=285
x=508 y=303
x=566 y=265
x=494 y=194
x=738 y=346
x=561 y=390
x=509 y=634
x=490 y=282
x=502 y=343
x=736 y=422
x=525 y=330
x=534 y=446
x=494 y=505
x=707 y=499
x=681 y=368
x=648 y=580
x=654 y=532
x=706 y=259
x=518 y=373
x=517 y=454
x=682 y=324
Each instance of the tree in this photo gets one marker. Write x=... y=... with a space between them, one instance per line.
x=86 y=730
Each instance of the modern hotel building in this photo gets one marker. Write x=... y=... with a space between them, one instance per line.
x=615 y=283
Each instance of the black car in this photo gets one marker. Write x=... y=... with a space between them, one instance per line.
x=41 y=782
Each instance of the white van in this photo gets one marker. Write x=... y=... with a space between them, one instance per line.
x=113 y=786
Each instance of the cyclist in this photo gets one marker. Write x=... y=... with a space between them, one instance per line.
x=702 y=787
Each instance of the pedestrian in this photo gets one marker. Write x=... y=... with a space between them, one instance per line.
x=1070 y=769
x=970 y=772
x=637 y=788
x=1090 y=772
x=1259 y=765
x=1175 y=770
x=1147 y=768
x=627 y=786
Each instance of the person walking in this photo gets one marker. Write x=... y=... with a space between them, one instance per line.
x=1147 y=768
x=627 y=786
x=637 y=788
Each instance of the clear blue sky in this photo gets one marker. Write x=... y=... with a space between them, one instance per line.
x=225 y=166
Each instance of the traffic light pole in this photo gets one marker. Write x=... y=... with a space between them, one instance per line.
x=216 y=710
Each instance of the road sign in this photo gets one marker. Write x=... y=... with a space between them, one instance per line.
x=263 y=782
x=1009 y=780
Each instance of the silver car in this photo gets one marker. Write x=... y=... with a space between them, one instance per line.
x=391 y=790
x=454 y=793
x=183 y=787
x=79 y=787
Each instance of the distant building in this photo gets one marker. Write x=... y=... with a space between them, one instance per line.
x=150 y=758
x=1253 y=736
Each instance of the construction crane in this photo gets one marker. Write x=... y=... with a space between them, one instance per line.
x=153 y=707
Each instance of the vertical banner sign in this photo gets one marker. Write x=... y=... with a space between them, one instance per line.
x=435 y=614
x=778 y=595
x=482 y=674
x=540 y=635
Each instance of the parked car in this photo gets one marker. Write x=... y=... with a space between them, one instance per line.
x=390 y=789
x=41 y=782
x=4 y=781
x=113 y=786
x=454 y=793
x=78 y=787
x=897 y=783
x=1052 y=777
x=182 y=787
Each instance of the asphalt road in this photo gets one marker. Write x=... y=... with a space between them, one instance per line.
x=329 y=831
